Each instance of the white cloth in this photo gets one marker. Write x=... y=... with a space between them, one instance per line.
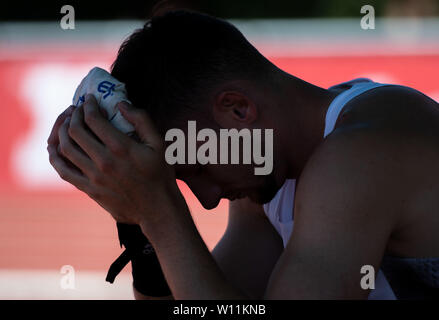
x=280 y=210
x=108 y=92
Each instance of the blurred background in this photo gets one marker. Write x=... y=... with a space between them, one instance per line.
x=47 y=228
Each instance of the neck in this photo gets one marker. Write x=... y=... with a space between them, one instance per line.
x=306 y=104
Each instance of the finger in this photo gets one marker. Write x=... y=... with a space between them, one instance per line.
x=53 y=137
x=142 y=123
x=115 y=140
x=83 y=137
x=67 y=173
x=104 y=112
x=67 y=161
x=72 y=152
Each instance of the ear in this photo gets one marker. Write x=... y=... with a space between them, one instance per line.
x=232 y=109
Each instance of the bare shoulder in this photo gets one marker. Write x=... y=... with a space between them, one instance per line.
x=381 y=137
x=390 y=132
x=355 y=179
x=391 y=106
x=399 y=128
x=356 y=164
x=250 y=240
x=343 y=218
x=379 y=164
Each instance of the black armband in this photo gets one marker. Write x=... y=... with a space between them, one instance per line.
x=148 y=278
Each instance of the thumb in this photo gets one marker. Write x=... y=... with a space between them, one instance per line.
x=142 y=123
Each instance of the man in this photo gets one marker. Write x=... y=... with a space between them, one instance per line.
x=363 y=155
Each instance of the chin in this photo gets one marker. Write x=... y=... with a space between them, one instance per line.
x=209 y=205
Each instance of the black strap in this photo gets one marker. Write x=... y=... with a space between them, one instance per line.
x=148 y=277
x=117 y=266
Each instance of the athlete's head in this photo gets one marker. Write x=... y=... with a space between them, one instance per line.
x=188 y=66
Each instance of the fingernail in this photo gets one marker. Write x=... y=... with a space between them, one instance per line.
x=123 y=105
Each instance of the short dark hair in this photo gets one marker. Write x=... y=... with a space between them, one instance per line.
x=173 y=62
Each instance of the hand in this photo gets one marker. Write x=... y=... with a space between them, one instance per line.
x=129 y=179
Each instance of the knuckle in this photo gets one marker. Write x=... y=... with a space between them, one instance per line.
x=84 y=188
x=94 y=194
x=90 y=116
x=63 y=175
x=60 y=117
x=65 y=148
x=73 y=130
x=97 y=179
x=106 y=165
x=52 y=159
x=70 y=109
x=118 y=149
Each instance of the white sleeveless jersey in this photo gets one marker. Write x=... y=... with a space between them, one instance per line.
x=280 y=210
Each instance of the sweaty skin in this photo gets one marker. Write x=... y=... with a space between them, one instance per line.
x=415 y=232
x=369 y=189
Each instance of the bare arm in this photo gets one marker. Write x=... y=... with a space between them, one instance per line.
x=249 y=249
x=345 y=211
x=249 y=241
